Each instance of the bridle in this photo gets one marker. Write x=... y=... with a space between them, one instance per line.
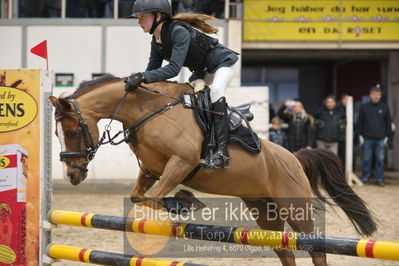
x=88 y=141
x=129 y=134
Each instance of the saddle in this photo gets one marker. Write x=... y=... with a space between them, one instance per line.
x=237 y=131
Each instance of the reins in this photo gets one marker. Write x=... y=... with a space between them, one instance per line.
x=129 y=134
x=179 y=100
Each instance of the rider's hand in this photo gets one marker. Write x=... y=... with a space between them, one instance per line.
x=198 y=84
x=133 y=81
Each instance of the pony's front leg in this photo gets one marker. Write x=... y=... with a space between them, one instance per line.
x=174 y=173
x=142 y=185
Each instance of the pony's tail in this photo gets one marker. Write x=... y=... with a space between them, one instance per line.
x=197 y=21
x=323 y=167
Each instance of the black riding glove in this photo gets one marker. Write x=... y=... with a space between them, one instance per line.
x=133 y=81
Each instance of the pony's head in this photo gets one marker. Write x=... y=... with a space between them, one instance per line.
x=78 y=136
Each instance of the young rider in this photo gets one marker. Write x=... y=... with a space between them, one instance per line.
x=175 y=40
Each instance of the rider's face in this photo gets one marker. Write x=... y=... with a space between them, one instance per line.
x=145 y=21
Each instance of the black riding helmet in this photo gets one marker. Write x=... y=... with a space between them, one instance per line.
x=152 y=6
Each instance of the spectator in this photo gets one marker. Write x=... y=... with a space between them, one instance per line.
x=272 y=113
x=300 y=125
x=30 y=8
x=276 y=134
x=329 y=121
x=182 y=6
x=374 y=125
x=88 y=8
x=213 y=8
x=52 y=9
x=342 y=136
x=343 y=100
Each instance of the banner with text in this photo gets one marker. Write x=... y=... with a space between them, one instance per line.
x=331 y=20
x=22 y=161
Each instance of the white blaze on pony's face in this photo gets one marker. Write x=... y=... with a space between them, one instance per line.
x=61 y=138
x=69 y=134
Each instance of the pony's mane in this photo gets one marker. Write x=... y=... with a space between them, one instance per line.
x=89 y=85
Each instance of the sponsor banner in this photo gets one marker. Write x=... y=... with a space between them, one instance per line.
x=17 y=109
x=321 y=20
x=13 y=205
x=20 y=165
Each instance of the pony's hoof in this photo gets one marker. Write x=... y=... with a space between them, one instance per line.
x=175 y=206
x=137 y=199
x=189 y=199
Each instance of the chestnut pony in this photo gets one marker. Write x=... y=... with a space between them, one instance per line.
x=169 y=147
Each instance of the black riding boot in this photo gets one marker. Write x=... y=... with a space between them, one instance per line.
x=220 y=158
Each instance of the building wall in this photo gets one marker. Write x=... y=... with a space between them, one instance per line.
x=79 y=46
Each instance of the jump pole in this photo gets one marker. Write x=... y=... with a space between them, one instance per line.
x=106 y=258
x=239 y=235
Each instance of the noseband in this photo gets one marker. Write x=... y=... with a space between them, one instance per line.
x=90 y=147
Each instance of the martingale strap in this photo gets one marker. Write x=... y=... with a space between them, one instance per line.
x=131 y=135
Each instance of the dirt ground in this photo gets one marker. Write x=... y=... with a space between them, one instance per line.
x=107 y=198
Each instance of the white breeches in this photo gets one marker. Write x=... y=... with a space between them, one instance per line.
x=219 y=81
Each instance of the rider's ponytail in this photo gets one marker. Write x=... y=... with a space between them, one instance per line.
x=197 y=21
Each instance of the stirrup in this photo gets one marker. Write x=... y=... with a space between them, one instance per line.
x=209 y=161
x=224 y=158
x=206 y=162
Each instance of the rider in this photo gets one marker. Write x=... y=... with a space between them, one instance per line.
x=175 y=40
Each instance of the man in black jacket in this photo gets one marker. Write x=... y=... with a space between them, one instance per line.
x=329 y=121
x=374 y=125
x=300 y=125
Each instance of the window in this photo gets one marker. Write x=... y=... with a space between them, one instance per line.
x=107 y=8
x=89 y=9
x=282 y=81
x=5 y=8
x=38 y=8
x=65 y=8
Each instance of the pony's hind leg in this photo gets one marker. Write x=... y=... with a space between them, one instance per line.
x=260 y=204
